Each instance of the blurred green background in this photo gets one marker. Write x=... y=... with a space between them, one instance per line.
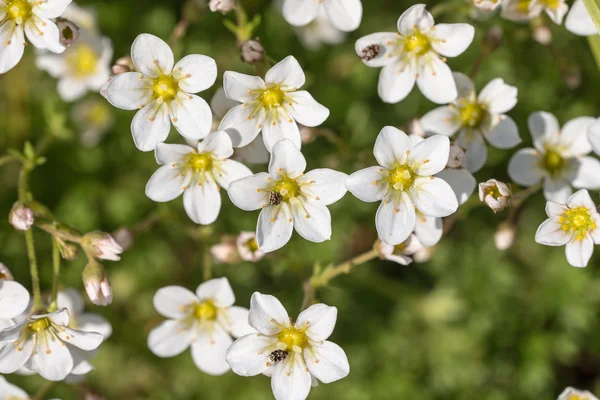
x=473 y=323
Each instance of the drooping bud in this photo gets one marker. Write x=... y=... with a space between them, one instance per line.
x=226 y=251
x=223 y=6
x=5 y=274
x=504 y=237
x=252 y=51
x=457 y=157
x=247 y=247
x=21 y=217
x=102 y=245
x=122 y=65
x=542 y=34
x=97 y=284
x=495 y=194
x=68 y=32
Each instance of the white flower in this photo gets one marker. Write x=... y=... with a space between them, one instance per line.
x=198 y=174
x=495 y=194
x=417 y=54
x=72 y=300
x=579 y=22
x=574 y=224
x=93 y=118
x=205 y=321
x=344 y=15
x=477 y=117
x=558 y=159
x=83 y=67
x=504 y=237
x=575 y=394
x=21 y=217
x=162 y=92
x=319 y=31
x=32 y=18
x=289 y=198
x=274 y=107
x=247 y=247
x=487 y=6
x=221 y=5
x=102 y=245
x=401 y=253
x=292 y=353
x=593 y=135
x=405 y=182
x=14 y=299
x=525 y=10
x=226 y=250
x=45 y=344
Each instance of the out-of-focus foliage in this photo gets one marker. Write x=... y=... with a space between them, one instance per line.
x=473 y=323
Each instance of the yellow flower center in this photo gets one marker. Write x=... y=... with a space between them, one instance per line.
x=492 y=191
x=287 y=188
x=39 y=325
x=18 y=10
x=83 y=60
x=579 y=221
x=553 y=4
x=401 y=177
x=205 y=311
x=293 y=337
x=578 y=397
x=200 y=162
x=472 y=114
x=3 y=276
x=523 y=6
x=252 y=245
x=552 y=162
x=271 y=97
x=98 y=114
x=165 y=88
x=417 y=43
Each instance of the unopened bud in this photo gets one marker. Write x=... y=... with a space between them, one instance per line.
x=542 y=34
x=307 y=135
x=424 y=255
x=496 y=195
x=223 y=6
x=21 y=217
x=124 y=237
x=102 y=245
x=225 y=252
x=247 y=247
x=5 y=274
x=504 y=237
x=252 y=51
x=68 y=32
x=414 y=127
x=457 y=157
x=97 y=285
x=68 y=251
x=122 y=65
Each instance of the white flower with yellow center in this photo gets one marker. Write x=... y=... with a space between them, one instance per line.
x=204 y=320
x=575 y=394
x=405 y=182
x=344 y=15
x=197 y=173
x=274 y=106
x=526 y=10
x=417 y=54
x=32 y=18
x=574 y=224
x=93 y=118
x=292 y=353
x=487 y=6
x=247 y=247
x=162 y=91
x=558 y=159
x=578 y=20
x=289 y=198
x=475 y=118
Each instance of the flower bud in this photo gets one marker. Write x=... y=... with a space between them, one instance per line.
x=122 y=65
x=423 y=255
x=504 y=237
x=542 y=34
x=495 y=194
x=414 y=127
x=252 y=51
x=457 y=157
x=68 y=251
x=247 y=247
x=97 y=285
x=21 y=217
x=68 y=32
x=307 y=135
x=124 y=237
x=102 y=245
x=5 y=274
x=223 y=6
x=226 y=251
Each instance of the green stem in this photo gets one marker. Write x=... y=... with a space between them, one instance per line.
x=594 y=11
x=7 y=159
x=56 y=273
x=44 y=391
x=594 y=42
x=207 y=264
x=35 y=277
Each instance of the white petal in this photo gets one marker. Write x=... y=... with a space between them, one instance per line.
x=43 y=34
x=254 y=153
x=588 y=174
x=50 y=8
x=464 y=85
x=579 y=21
x=318 y=320
x=345 y=15
x=166 y=184
x=209 y=350
x=395 y=218
x=396 y=81
x=543 y=127
x=504 y=134
x=286 y=160
x=312 y=221
x=195 y=73
x=230 y=171
x=383 y=40
x=291 y=379
x=202 y=201
x=327 y=362
x=557 y=190
x=282 y=128
x=169 y=339
x=461 y=181
x=241 y=126
x=52 y=359
x=430 y=156
x=452 y=39
x=267 y=314
x=324 y=185
x=235 y=321
x=554 y=209
x=241 y=87
x=287 y=72
x=579 y=252
x=129 y=91
x=391 y=147
x=218 y=291
x=416 y=17
x=170 y=301
x=95 y=323
x=581 y=198
x=71 y=89
x=171 y=153
x=14 y=357
x=300 y=12
x=433 y=197
x=573 y=135
x=11 y=53
x=71 y=299
x=274 y=227
x=220 y=104
x=247 y=355
x=594 y=136
x=152 y=56
x=81 y=339
x=11 y=332
x=557 y=13
x=250 y=193
x=428 y=230
x=14 y=299
x=150 y=126
x=523 y=167
x=11 y=391
x=435 y=80
x=550 y=233
x=498 y=97
x=191 y=116
x=306 y=110
x=442 y=121
x=369 y=184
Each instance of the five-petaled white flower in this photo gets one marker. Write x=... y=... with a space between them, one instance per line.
x=575 y=394
x=405 y=181
x=526 y=10
x=204 y=320
x=32 y=18
x=247 y=247
x=476 y=118
x=273 y=106
x=44 y=343
x=574 y=224
x=162 y=92
x=417 y=54
x=197 y=173
x=344 y=15
x=495 y=194
x=289 y=198
x=558 y=159
x=294 y=354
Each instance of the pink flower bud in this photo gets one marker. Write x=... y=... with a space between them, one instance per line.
x=495 y=194
x=252 y=51
x=5 y=274
x=97 y=284
x=248 y=248
x=21 y=217
x=504 y=237
x=226 y=251
x=221 y=5
x=102 y=245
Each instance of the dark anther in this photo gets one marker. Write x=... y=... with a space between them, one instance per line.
x=370 y=52
x=278 y=355
x=275 y=199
